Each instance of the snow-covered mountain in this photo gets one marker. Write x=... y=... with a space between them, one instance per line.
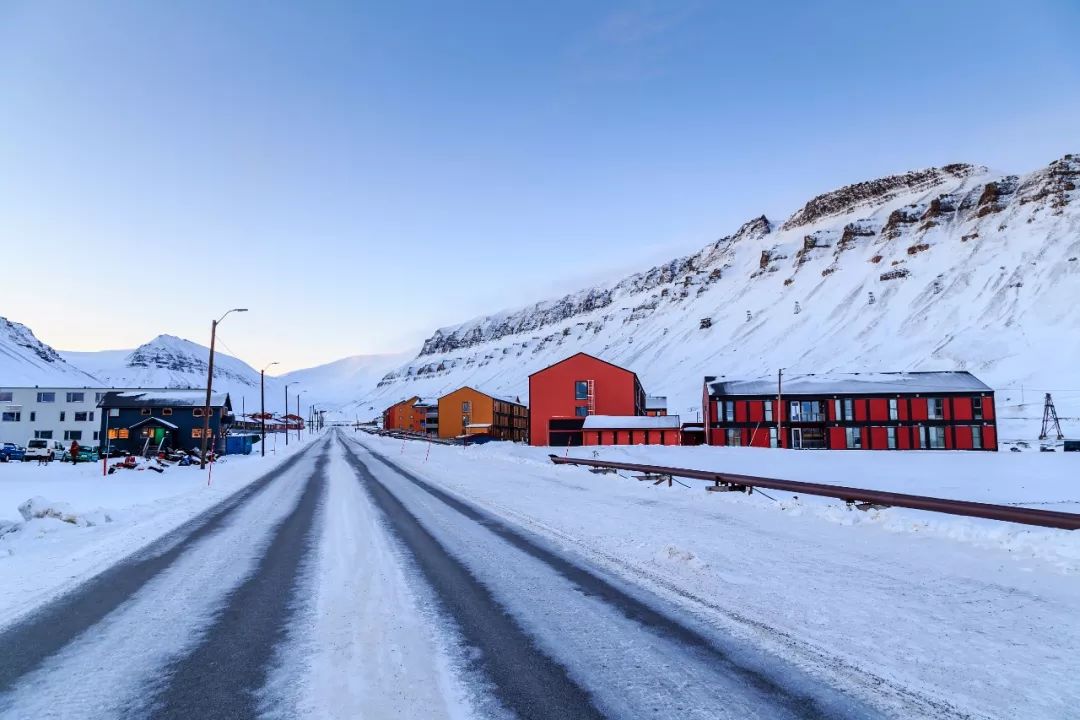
x=26 y=361
x=954 y=267
x=338 y=385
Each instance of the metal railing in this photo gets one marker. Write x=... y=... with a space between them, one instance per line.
x=1006 y=513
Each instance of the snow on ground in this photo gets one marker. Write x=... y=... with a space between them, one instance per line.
x=128 y=509
x=922 y=614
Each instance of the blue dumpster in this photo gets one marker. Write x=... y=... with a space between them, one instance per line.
x=239 y=444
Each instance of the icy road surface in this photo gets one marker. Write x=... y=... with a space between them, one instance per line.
x=346 y=584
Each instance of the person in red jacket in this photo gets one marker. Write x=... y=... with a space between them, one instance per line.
x=74 y=450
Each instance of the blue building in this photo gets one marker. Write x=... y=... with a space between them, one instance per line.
x=160 y=420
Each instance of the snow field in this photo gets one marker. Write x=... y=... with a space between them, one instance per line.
x=114 y=669
x=365 y=643
x=46 y=556
x=917 y=623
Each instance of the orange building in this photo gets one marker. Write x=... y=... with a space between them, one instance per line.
x=405 y=416
x=468 y=411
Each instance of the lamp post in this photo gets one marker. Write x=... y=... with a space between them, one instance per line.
x=286 y=414
x=210 y=384
x=262 y=411
x=299 y=420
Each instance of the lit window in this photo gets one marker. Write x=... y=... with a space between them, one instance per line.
x=196 y=432
x=113 y=434
x=124 y=434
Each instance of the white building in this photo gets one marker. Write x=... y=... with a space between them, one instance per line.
x=52 y=413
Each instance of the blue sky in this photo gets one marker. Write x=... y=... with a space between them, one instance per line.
x=360 y=173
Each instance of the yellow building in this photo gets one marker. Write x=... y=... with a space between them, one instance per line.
x=467 y=411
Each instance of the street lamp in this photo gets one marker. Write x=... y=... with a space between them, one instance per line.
x=210 y=384
x=286 y=418
x=299 y=419
x=262 y=412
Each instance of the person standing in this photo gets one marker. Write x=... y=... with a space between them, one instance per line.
x=74 y=450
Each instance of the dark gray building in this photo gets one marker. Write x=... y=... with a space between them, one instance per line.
x=141 y=421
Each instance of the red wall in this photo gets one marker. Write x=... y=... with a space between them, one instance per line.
x=879 y=410
x=551 y=392
x=918 y=409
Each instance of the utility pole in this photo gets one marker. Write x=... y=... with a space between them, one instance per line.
x=299 y=420
x=1050 y=418
x=210 y=385
x=286 y=413
x=780 y=408
x=262 y=411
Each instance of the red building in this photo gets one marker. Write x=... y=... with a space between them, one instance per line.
x=858 y=411
x=562 y=395
x=405 y=415
x=631 y=430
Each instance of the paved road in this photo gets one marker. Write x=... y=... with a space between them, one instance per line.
x=245 y=611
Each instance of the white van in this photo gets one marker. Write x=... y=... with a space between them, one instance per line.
x=39 y=448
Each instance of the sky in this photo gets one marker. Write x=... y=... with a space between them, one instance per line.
x=358 y=174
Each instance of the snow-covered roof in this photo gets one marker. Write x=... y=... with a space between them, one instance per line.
x=478 y=425
x=631 y=422
x=193 y=397
x=656 y=402
x=854 y=384
x=157 y=420
x=426 y=402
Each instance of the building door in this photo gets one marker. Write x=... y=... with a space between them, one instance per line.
x=796 y=438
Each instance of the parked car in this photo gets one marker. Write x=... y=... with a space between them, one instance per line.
x=11 y=451
x=114 y=451
x=38 y=449
x=86 y=454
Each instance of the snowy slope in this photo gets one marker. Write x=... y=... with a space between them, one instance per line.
x=26 y=361
x=337 y=385
x=944 y=268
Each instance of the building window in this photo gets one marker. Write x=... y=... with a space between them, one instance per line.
x=98 y=397
x=894 y=411
x=7 y=396
x=581 y=411
x=977 y=408
x=936 y=408
x=74 y=397
x=11 y=417
x=772 y=437
x=466 y=406
x=923 y=442
x=976 y=437
x=806 y=411
x=46 y=397
x=581 y=389
x=891 y=432
x=124 y=433
x=937 y=437
x=729 y=410
x=144 y=411
x=81 y=417
x=33 y=416
x=63 y=415
x=196 y=433
x=197 y=412
x=73 y=434
x=164 y=411
x=849 y=409
x=43 y=434
x=854 y=438
x=734 y=437
x=768 y=411
x=95 y=435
